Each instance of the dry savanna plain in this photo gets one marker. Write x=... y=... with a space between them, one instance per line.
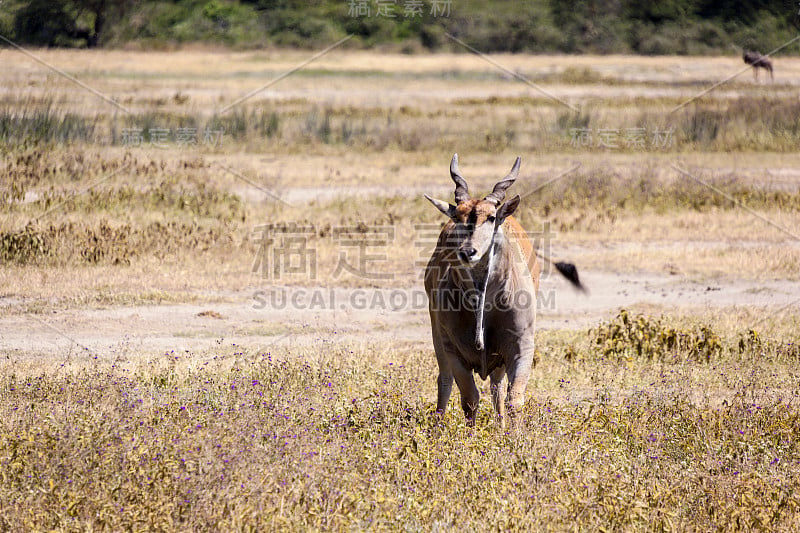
x=211 y=305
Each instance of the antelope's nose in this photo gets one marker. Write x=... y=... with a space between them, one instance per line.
x=468 y=254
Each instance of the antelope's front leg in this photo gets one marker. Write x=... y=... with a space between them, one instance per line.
x=444 y=385
x=470 y=397
x=499 y=387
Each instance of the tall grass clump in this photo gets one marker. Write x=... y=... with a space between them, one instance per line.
x=169 y=209
x=44 y=123
x=617 y=190
x=746 y=123
x=242 y=123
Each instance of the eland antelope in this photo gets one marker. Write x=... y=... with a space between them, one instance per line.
x=481 y=282
x=758 y=61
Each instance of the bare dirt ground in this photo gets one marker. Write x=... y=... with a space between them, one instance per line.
x=271 y=316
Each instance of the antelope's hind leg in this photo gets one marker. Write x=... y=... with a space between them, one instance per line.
x=444 y=383
x=518 y=375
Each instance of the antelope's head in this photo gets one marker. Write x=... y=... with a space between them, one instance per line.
x=475 y=219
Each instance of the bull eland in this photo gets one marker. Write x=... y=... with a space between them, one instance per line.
x=483 y=255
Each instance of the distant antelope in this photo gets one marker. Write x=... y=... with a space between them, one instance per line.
x=758 y=61
x=481 y=283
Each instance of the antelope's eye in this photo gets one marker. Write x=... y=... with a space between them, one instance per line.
x=490 y=218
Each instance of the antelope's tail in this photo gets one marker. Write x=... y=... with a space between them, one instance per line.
x=568 y=270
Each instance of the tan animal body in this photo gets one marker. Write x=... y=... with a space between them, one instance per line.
x=481 y=282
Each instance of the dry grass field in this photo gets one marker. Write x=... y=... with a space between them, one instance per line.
x=212 y=316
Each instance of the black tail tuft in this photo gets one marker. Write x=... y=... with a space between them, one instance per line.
x=569 y=271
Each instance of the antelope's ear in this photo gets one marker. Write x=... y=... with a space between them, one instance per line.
x=444 y=207
x=507 y=209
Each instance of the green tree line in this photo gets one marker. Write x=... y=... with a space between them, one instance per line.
x=687 y=27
